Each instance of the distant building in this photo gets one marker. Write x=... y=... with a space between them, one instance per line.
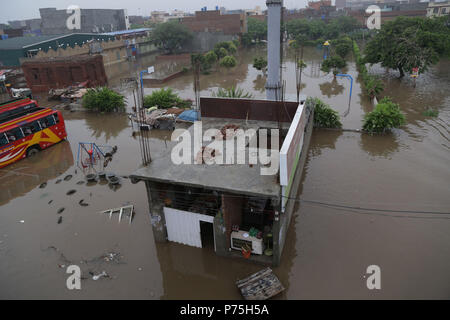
x=159 y=16
x=438 y=9
x=12 y=50
x=92 y=21
x=32 y=25
x=340 y=4
x=10 y=33
x=316 y=5
x=214 y=21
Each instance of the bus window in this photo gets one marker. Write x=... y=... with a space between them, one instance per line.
x=35 y=127
x=48 y=121
x=55 y=117
x=27 y=130
x=3 y=140
x=14 y=134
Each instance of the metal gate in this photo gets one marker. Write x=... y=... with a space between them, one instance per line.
x=184 y=227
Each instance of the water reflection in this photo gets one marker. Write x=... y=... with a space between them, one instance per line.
x=323 y=139
x=108 y=126
x=21 y=177
x=381 y=145
x=332 y=88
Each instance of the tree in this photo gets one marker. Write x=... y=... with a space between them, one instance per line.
x=233 y=92
x=407 y=43
x=228 y=62
x=171 y=36
x=256 y=31
x=384 y=117
x=211 y=57
x=342 y=46
x=373 y=86
x=335 y=63
x=260 y=64
x=104 y=100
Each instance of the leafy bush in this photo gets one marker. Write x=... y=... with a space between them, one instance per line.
x=373 y=86
x=232 y=92
x=164 y=98
x=324 y=116
x=259 y=63
x=104 y=100
x=211 y=57
x=171 y=36
x=221 y=52
x=334 y=62
x=430 y=113
x=384 y=117
x=228 y=62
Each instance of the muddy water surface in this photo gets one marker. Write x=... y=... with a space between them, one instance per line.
x=327 y=250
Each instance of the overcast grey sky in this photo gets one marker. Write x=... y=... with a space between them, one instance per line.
x=26 y=9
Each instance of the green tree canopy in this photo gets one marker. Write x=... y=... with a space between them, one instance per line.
x=256 y=31
x=171 y=36
x=407 y=43
x=333 y=63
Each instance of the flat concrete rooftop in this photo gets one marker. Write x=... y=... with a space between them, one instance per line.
x=233 y=178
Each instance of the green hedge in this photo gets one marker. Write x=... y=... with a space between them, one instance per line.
x=373 y=86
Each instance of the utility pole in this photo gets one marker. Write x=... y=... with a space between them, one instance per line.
x=273 y=85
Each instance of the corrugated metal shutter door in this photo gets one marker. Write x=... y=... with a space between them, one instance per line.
x=184 y=227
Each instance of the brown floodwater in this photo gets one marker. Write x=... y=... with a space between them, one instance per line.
x=327 y=250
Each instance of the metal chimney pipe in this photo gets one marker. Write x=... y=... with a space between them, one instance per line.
x=273 y=85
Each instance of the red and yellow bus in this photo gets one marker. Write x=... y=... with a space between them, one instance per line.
x=26 y=129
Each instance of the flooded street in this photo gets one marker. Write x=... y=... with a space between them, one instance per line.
x=327 y=249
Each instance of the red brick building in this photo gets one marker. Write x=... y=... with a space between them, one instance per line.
x=213 y=21
x=55 y=73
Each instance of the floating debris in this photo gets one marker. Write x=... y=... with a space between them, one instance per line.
x=42 y=186
x=126 y=211
x=99 y=276
x=114 y=180
x=60 y=210
x=262 y=285
x=50 y=202
x=58 y=181
x=80 y=183
x=91 y=177
x=68 y=177
x=22 y=221
x=59 y=220
x=82 y=203
x=71 y=192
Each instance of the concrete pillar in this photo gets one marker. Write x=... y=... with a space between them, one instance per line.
x=273 y=84
x=157 y=216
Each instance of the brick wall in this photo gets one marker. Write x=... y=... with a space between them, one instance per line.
x=45 y=74
x=213 y=21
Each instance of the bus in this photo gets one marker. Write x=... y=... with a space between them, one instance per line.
x=26 y=129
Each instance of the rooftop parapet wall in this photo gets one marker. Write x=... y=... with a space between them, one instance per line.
x=247 y=109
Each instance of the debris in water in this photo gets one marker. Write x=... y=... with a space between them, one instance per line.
x=50 y=202
x=22 y=221
x=42 y=186
x=81 y=203
x=101 y=275
x=80 y=183
x=60 y=210
x=59 y=220
x=262 y=285
x=114 y=150
x=58 y=181
x=91 y=177
x=71 y=192
x=68 y=177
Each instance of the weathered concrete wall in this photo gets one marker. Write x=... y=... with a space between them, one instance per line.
x=232 y=207
x=205 y=41
x=281 y=227
x=157 y=217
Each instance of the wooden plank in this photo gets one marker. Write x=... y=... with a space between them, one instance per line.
x=262 y=285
